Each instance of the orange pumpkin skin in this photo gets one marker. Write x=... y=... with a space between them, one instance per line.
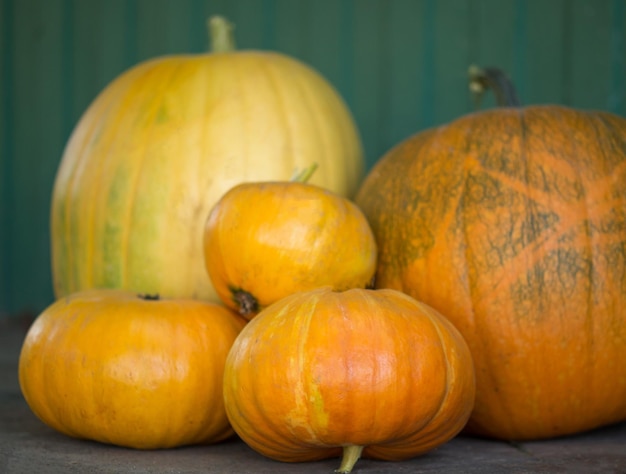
x=321 y=370
x=108 y=366
x=512 y=223
x=268 y=240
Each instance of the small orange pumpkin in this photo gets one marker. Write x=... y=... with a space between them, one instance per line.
x=367 y=372
x=109 y=366
x=264 y=241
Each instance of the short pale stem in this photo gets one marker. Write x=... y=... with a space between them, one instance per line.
x=351 y=455
x=221 y=36
x=303 y=176
x=149 y=296
x=482 y=79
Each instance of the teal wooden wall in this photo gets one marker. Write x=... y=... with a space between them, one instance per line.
x=400 y=64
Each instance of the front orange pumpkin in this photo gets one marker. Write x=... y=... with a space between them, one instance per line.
x=110 y=366
x=364 y=371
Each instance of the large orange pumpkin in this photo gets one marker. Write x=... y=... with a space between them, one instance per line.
x=361 y=371
x=512 y=223
x=264 y=241
x=109 y=366
x=161 y=143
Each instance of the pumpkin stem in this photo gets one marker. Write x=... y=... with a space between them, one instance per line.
x=302 y=176
x=492 y=78
x=246 y=303
x=351 y=455
x=222 y=39
x=149 y=296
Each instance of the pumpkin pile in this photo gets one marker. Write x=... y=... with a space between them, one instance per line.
x=172 y=212
x=328 y=367
x=477 y=281
x=350 y=360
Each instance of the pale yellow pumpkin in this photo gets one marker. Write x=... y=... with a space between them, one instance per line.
x=165 y=140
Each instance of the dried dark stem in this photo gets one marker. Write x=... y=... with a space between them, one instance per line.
x=483 y=79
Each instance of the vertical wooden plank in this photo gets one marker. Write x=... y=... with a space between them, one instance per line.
x=453 y=56
x=408 y=44
x=546 y=63
x=66 y=63
x=104 y=46
x=492 y=36
x=426 y=72
x=427 y=69
x=617 y=97
x=321 y=35
x=7 y=156
x=313 y=32
x=253 y=19
x=371 y=72
x=520 y=46
x=46 y=79
x=38 y=133
x=290 y=25
x=588 y=38
x=162 y=28
x=196 y=25
x=322 y=38
x=346 y=49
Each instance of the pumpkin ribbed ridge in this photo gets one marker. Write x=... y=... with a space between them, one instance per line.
x=375 y=370
x=512 y=223
x=154 y=381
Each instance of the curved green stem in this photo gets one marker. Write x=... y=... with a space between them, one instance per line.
x=482 y=79
x=222 y=38
x=303 y=176
x=351 y=455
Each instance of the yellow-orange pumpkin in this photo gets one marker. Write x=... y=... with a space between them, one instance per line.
x=159 y=146
x=360 y=371
x=109 y=366
x=264 y=241
x=512 y=223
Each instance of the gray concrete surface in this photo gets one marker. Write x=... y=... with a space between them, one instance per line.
x=29 y=447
